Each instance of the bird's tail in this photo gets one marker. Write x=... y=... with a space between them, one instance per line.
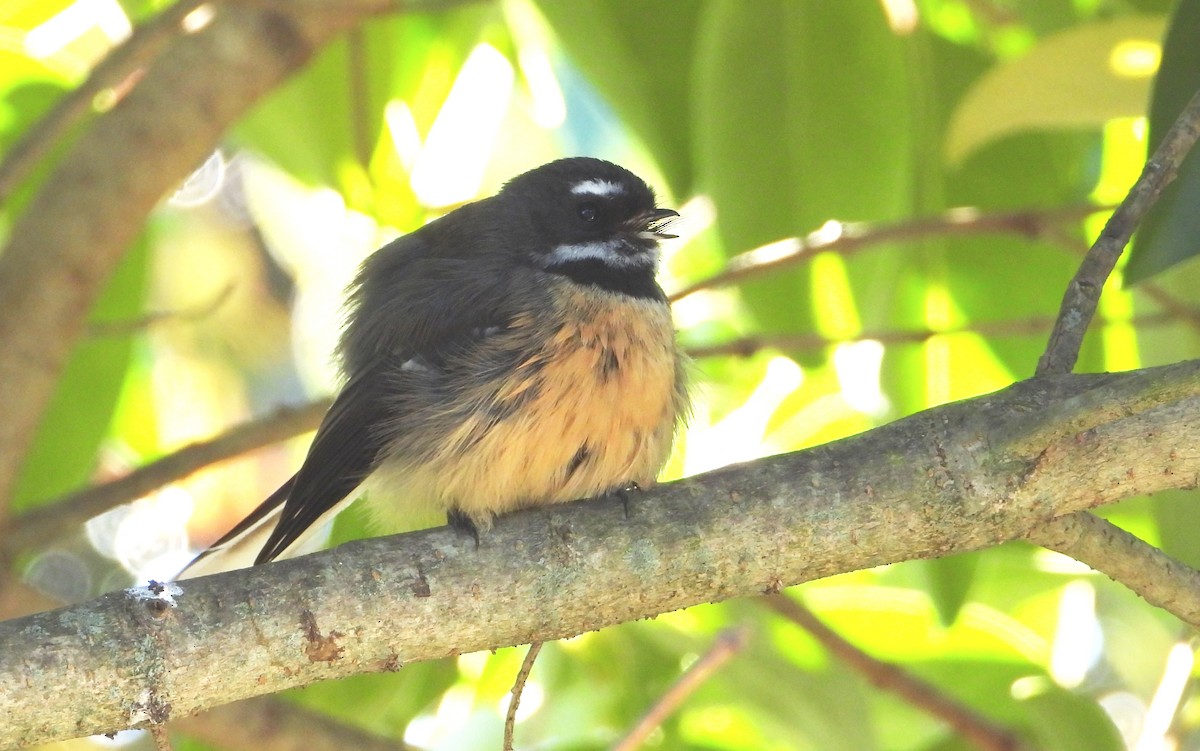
x=240 y=546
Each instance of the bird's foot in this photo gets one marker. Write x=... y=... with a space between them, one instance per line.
x=623 y=494
x=464 y=523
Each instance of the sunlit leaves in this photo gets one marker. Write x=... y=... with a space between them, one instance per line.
x=784 y=115
x=1077 y=78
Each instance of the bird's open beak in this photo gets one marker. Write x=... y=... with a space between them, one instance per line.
x=650 y=224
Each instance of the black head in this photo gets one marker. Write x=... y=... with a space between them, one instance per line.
x=593 y=221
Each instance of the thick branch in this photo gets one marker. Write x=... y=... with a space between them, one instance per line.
x=959 y=477
x=118 y=67
x=1158 y=578
x=68 y=240
x=1123 y=556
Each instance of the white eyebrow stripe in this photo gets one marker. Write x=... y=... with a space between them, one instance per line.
x=597 y=188
x=605 y=251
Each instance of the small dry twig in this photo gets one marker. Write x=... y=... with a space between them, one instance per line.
x=728 y=643
x=749 y=345
x=141 y=323
x=162 y=741
x=510 y=717
x=979 y=731
x=48 y=520
x=851 y=238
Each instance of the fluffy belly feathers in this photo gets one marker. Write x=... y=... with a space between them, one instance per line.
x=592 y=407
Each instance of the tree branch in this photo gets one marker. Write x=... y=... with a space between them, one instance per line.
x=66 y=243
x=978 y=730
x=748 y=345
x=851 y=238
x=121 y=63
x=1083 y=293
x=725 y=647
x=960 y=477
x=48 y=521
x=1155 y=576
x=273 y=725
x=514 y=698
x=1123 y=556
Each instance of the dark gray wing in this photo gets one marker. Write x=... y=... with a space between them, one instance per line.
x=342 y=454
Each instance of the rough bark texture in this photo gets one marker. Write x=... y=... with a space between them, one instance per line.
x=68 y=240
x=955 y=478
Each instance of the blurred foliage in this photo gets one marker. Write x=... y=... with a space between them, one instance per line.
x=762 y=120
x=1168 y=235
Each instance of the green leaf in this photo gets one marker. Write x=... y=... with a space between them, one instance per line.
x=1006 y=277
x=63 y=455
x=950 y=580
x=382 y=703
x=323 y=125
x=1175 y=513
x=810 y=709
x=813 y=125
x=1063 y=721
x=1079 y=78
x=1168 y=233
x=639 y=55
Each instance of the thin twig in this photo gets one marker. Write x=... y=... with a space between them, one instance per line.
x=749 y=345
x=162 y=741
x=143 y=322
x=48 y=520
x=728 y=643
x=1164 y=299
x=269 y=724
x=1083 y=293
x=847 y=239
x=146 y=41
x=976 y=729
x=510 y=717
x=19 y=599
x=1152 y=574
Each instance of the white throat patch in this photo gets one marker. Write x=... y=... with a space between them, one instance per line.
x=607 y=252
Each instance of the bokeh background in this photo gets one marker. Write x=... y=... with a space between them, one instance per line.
x=969 y=145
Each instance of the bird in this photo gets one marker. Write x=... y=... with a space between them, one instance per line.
x=515 y=352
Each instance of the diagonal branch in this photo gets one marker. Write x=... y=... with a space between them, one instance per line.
x=725 y=647
x=48 y=521
x=1126 y=558
x=1083 y=293
x=981 y=732
x=121 y=64
x=273 y=725
x=1158 y=578
x=847 y=239
x=64 y=246
x=960 y=477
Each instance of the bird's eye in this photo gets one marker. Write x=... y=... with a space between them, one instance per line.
x=588 y=212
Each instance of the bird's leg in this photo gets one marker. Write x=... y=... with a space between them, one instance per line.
x=462 y=522
x=623 y=494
